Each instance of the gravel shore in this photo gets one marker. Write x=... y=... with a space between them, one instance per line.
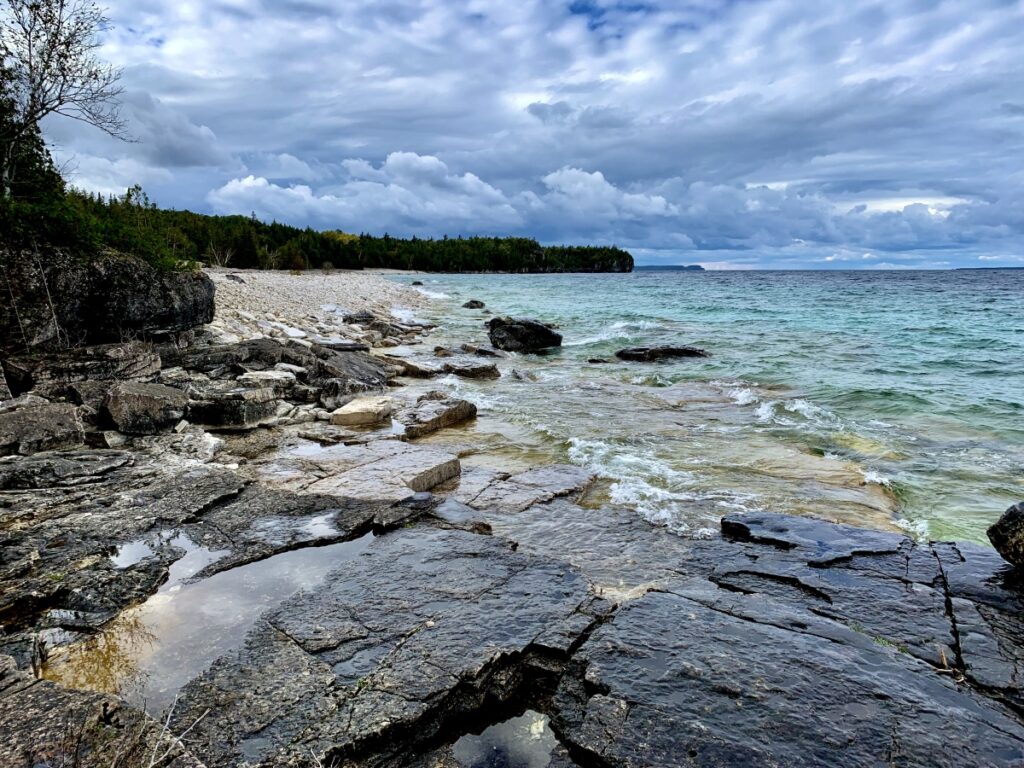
x=256 y=304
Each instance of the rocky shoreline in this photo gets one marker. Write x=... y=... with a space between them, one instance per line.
x=434 y=601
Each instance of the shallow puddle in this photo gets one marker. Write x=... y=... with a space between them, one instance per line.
x=526 y=741
x=149 y=652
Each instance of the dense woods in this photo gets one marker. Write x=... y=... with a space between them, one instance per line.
x=131 y=223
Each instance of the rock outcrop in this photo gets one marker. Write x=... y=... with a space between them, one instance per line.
x=522 y=334
x=33 y=428
x=145 y=409
x=1007 y=535
x=435 y=411
x=57 y=299
x=654 y=354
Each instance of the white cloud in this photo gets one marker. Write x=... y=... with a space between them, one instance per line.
x=777 y=132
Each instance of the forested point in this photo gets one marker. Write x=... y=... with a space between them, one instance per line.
x=38 y=211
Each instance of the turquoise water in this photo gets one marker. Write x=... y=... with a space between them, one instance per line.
x=886 y=399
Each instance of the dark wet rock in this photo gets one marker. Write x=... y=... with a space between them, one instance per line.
x=226 y=406
x=434 y=411
x=58 y=298
x=111 y=362
x=363 y=317
x=417 y=282
x=519 y=375
x=36 y=428
x=145 y=409
x=473 y=349
x=1007 y=535
x=471 y=369
x=522 y=334
x=366 y=670
x=598 y=361
x=44 y=724
x=654 y=354
x=442 y=352
x=751 y=680
x=62 y=516
x=474 y=304
x=235 y=279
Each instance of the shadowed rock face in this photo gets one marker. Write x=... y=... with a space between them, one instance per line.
x=1007 y=535
x=59 y=299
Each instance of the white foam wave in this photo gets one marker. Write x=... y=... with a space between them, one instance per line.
x=433 y=294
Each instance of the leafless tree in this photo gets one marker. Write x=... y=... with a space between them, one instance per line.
x=48 y=66
x=219 y=257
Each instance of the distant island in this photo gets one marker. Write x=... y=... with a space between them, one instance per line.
x=669 y=268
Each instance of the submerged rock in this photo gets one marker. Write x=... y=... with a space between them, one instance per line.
x=1007 y=535
x=34 y=428
x=522 y=334
x=653 y=354
x=474 y=304
x=145 y=409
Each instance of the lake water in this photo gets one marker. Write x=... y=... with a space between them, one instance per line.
x=890 y=400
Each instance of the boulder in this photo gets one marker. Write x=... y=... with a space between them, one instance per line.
x=145 y=409
x=653 y=354
x=34 y=428
x=522 y=334
x=108 y=362
x=57 y=297
x=1007 y=535
x=363 y=411
x=471 y=369
x=474 y=304
x=435 y=411
x=363 y=317
x=217 y=405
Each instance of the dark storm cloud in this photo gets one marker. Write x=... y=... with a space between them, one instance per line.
x=757 y=133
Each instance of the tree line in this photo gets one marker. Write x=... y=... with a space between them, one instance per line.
x=48 y=66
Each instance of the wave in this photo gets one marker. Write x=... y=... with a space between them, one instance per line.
x=433 y=294
x=620 y=330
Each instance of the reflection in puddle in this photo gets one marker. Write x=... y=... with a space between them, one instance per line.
x=150 y=651
x=522 y=742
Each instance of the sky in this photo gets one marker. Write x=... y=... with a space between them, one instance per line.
x=728 y=133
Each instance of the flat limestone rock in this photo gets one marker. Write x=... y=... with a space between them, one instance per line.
x=363 y=411
x=398 y=646
x=381 y=470
x=36 y=428
x=433 y=412
x=518 y=492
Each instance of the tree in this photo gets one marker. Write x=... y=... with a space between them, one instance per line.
x=48 y=67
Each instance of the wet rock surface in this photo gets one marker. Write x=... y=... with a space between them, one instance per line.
x=365 y=670
x=654 y=354
x=1007 y=535
x=522 y=334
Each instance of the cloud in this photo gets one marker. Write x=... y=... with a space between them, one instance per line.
x=769 y=133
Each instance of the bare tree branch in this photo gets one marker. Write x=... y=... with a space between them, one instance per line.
x=48 y=66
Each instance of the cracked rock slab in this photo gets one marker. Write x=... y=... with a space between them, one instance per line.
x=710 y=677
x=395 y=649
